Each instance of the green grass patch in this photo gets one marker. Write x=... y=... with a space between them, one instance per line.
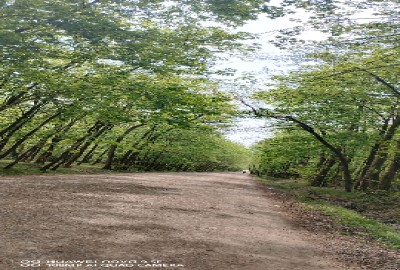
x=374 y=214
x=347 y=218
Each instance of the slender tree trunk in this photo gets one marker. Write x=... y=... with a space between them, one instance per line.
x=130 y=154
x=113 y=148
x=362 y=182
x=67 y=153
x=7 y=133
x=88 y=156
x=18 y=98
x=98 y=159
x=33 y=151
x=322 y=159
x=390 y=173
x=28 y=135
x=48 y=153
x=83 y=148
x=344 y=162
x=377 y=164
x=319 y=180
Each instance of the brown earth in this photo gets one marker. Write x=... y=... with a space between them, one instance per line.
x=193 y=221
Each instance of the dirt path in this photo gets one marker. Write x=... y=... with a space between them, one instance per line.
x=190 y=221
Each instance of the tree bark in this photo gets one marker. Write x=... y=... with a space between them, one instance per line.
x=72 y=158
x=67 y=153
x=362 y=182
x=372 y=175
x=390 y=173
x=17 y=124
x=28 y=135
x=344 y=162
x=319 y=180
x=88 y=155
x=113 y=148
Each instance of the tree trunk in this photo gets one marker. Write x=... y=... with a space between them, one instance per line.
x=28 y=135
x=67 y=153
x=98 y=159
x=113 y=148
x=18 y=98
x=14 y=127
x=390 y=173
x=68 y=162
x=48 y=153
x=344 y=162
x=377 y=165
x=88 y=156
x=362 y=182
x=319 y=180
x=131 y=155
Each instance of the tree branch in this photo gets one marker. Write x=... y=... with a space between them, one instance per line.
x=381 y=80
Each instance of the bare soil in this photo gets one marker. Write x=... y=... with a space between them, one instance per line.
x=193 y=221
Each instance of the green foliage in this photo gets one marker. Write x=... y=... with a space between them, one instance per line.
x=354 y=221
x=285 y=155
x=197 y=149
x=346 y=98
x=363 y=214
x=97 y=81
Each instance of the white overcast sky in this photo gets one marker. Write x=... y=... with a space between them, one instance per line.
x=249 y=131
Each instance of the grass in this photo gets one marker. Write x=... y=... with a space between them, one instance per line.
x=347 y=218
x=370 y=214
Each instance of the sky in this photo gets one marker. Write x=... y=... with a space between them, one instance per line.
x=248 y=131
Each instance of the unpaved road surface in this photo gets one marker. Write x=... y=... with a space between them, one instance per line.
x=193 y=221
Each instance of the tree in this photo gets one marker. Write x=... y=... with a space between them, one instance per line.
x=79 y=77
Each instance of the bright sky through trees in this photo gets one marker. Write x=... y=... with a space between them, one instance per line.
x=268 y=60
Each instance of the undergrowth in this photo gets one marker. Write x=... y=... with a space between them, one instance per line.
x=373 y=214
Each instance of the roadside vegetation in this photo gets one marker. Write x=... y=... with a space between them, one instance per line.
x=372 y=215
x=336 y=117
x=118 y=85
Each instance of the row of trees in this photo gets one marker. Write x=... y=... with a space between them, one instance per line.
x=338 y=116
x=122 y=83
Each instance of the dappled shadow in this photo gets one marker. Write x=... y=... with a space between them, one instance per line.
x=228 y=185
x=115 y=187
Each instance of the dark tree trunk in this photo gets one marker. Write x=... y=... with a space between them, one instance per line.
x=130 y=155
x=68 y=153
x=113 y=148
x=344 y=162
x=319 y=180
x=99 y=158
x=372 y=175
x=18 y=98
x=390 y=173
x=27 y=136
x=7 y=133
x=88 y=156
x=48 y=153
x=362 y=183
x=68 y=162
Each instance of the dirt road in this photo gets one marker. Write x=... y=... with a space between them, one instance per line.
x=193 y=221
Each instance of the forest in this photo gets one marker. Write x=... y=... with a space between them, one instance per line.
x=130 y=86
x=124 y=85
x=337 y=115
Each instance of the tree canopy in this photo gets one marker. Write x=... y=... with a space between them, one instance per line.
x=88 y=81
x=345 y=97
